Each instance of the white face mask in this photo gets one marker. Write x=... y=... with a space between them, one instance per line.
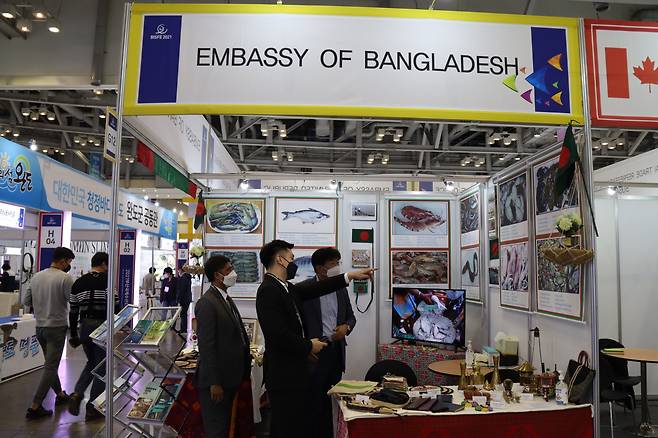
x=230 y=279
x=336 y=270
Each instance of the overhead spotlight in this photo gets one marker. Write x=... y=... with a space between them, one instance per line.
x=507 y=141
x=180 y=213
x=333 y=184
x=537 y=135
x=57 y=151
x=38 y=13
x=371 y=159
x=463 y=164
x=517 y=158
x=482 y=160
x=385 y=159
x=501 y=158
x=101 y=116
x=604 y=143
x=98 y=91
x=43 y=110
x=34 y=116
x=76 y=139
x=8 y=11
x=53 y=25
x=477 y=164
x=596 y=146
x=2 y=133
x=175 y=210
x=620 y=143
x=467 y=160
x=25 y=111
x=97 y=142
x=127 y=158
x=24 y=25
x=283 y=132
x=8 y=130
x=263 y=129
x=45 y=151
x=612 y=147
x=290 y=156
x=244 y=184
x=50 y=116
x=612 y=191
x=513 y=137
x=157 y=204
x=16 y=133
x=146 y=197
x=491 y=140
x=61 y=153
x=90 y=140
x=450 y=186
x=275 y=156
x=131 y=160
x=496 y=136
x=33 y=145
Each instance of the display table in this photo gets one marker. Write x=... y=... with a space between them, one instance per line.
x=22 y=354
x=528 y=419
x=453 y=368
x=419 y=358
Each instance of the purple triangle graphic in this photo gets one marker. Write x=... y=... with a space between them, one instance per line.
x=527 y=95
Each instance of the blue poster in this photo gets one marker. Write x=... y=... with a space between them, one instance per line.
x=20 y=176
x=127 y=242
x=96 y=164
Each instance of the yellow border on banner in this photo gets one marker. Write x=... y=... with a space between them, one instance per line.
x=138 y=10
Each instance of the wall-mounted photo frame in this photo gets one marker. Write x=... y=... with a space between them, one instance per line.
x=252 y=328
x=363 y=211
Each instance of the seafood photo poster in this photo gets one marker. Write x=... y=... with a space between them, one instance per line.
x=514 y=276
x=307 y=222
x=559 y=288
x=419 y=224
x=470 y=272
x=547 y=208
x=247 y=265
x=513 y=208
x=420 y=268
x=235 y=222
x=469 y=214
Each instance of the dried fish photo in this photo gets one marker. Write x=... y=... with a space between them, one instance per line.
x=364 y=211
x=245 y=263
x=361 y=258
x=514 y=267
x=419 y=268
x=240 y=216
x=470 y=267
x=306 y=215
x=469 y=211
x=414 y=218
x=553 y=277
x=513 y=203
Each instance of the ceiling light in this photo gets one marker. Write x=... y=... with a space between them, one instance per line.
x=76 y=139
x=450 y=186
x=283 y=132
x=175 y=210
x=507 y=141
x=612 y=147
x=290 y=156
x=61 y=153
x=97 y=142
x=333 y=184
x=501 y=158
x=16 y=133
x=244 y=184
x=463 y=164
x=131 y=160
x=98 y=91
x=25 y=111
x=513 y=137
x=275 y=155
x=38 y=14
x=620 y=143
x=467 y=160
x=596 y=146
x=157 y=204
x=146 y=197
x=24 y=25
x=491 y=140
x=537 y=135
x=101 y=116
x=517 y=158
x=45 y=151
x=477 y=165
x=496 y=136
x=34 y=116
x=54 y=26
x=396 y=139
x=90 y=140
x=2 y=133
x=43 y=110
x=33 y=145
x=612 y=191
x=180 y=213
x=604 y=143
x=8 y=11
x=50 y=116
x=7 y=129
x=57 y=151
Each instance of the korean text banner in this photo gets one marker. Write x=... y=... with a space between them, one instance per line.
x=622 y=66
x=352 y=62
x=36 y=181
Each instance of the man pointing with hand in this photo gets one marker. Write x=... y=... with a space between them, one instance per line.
x=286 y=368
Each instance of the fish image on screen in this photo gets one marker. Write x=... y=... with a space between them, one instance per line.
x=436 y=316
x=513 y=205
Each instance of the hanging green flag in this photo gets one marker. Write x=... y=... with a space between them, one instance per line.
x=566 y=167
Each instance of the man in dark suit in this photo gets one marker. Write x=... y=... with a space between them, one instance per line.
x=331 y=319
x=224 y=358
x=287 y=348
x=168 y=292
x=184 y=288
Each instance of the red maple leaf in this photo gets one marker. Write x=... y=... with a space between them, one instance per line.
x=647 y=74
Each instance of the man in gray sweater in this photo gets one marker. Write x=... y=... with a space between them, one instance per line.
x=48 y=294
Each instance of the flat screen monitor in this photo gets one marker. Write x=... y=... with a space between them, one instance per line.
x=432 y=315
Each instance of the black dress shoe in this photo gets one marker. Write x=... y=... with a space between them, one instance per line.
x=93 y=413
x=62 y=399
x=74 y=404
x=40 y=412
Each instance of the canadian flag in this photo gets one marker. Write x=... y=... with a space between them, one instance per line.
x=622 y=61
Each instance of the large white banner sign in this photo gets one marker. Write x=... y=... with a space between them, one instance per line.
x=334 y=61
x=622 y=60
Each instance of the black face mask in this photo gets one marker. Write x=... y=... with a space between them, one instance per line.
x=291 y=270
x=68 y=268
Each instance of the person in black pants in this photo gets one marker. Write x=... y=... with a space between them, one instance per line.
x=88 y=305
x=224 y=355
x=184 y=287
x=168 y=290
x=329 y=317
x=287 y=348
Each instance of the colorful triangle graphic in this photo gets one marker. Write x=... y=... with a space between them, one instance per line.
x=555 y=61
x=510 y=82
x=555 y=85
x=523 y=69
x=527 y=95
x=538 y=80
x=557 y=98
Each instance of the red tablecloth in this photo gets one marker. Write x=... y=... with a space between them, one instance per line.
x=418 y=358
x=566 y=423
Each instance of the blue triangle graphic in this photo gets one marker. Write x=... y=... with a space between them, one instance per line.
x=538 y=80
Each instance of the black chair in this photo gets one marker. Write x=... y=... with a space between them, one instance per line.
x=620 y=376
x=609 y=393
x=377 y=372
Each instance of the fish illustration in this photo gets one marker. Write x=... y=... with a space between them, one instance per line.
x=306 y=216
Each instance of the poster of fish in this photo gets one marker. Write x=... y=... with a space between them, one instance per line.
x=304 y=266
x=307 y=222
x=559 y=288
x=235 y=222
x=470 y=272
x=419 y=224
x=420 y=268
x=469 y=219
x=513 y=208
x=514 y=276
x=247 y=265
x=548 y=207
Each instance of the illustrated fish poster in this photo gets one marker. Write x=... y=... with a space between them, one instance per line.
x=469 y=224
x=235 y=222
x=419 y=223
x=512 y=195
x=306 y=222
x=547 y=207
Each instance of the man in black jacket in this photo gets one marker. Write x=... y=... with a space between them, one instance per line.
x=330 y=318
x=224 y=357
x=287 y=348
x=184 y=288
x=168 y=291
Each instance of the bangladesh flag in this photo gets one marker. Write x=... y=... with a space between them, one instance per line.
x=362 y=236
x=200 y=214
x=566 y=167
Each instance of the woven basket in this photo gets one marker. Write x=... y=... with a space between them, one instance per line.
x=568 y=256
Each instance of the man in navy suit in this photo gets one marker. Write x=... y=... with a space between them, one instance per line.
x=330 y=318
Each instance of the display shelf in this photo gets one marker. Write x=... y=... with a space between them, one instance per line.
x=121 y=319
